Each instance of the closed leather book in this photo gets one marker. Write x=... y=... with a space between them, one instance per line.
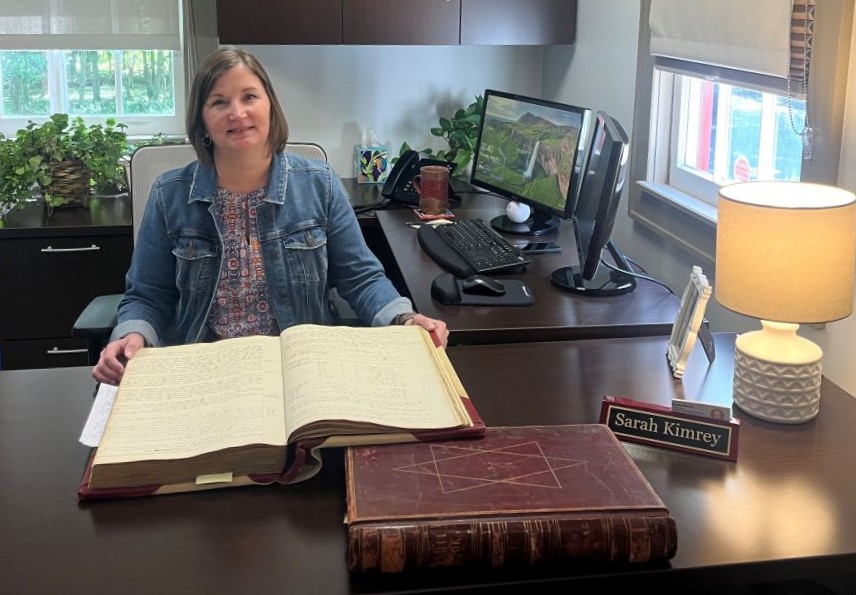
x=518 y=497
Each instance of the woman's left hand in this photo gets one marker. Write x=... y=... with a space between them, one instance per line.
x=432 y=326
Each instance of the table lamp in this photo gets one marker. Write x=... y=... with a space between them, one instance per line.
x=784 y=254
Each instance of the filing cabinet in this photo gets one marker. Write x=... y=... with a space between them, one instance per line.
x=50 y=268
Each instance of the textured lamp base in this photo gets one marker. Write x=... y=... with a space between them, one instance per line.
x=783 y=393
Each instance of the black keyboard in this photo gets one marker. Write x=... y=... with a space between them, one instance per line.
x=470 y=246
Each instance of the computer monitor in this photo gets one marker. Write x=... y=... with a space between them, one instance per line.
x=594 y=217
x=531 y=151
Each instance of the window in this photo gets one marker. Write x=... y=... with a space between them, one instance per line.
x=712 y=86
x=137 y=87
x=95 y=59
x=719 y=133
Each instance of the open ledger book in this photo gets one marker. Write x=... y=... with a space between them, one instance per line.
x=255 y=410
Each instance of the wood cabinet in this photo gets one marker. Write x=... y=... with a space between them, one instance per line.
x=51 y=269
x=518 y=22
x=401 y=22
x=297 y=22
x=397 y=22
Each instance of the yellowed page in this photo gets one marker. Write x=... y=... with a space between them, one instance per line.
x=382 y=375
x=183 y=401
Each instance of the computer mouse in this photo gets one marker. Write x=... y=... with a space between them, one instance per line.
x=482 y=285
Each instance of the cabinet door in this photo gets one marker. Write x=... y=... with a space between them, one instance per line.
x=401 y=22
x=279 y=21
x=518 y=22
x=46 y=282
x=43 y=353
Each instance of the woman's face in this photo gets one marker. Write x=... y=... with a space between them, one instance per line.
x=237 y=112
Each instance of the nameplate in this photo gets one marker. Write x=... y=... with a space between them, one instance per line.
x=659 y=426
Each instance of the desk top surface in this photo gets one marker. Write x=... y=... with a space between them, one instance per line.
x=555 y=315
x=104 y=215
x=784 y=509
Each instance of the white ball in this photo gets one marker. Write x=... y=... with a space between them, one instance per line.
x=517 y=211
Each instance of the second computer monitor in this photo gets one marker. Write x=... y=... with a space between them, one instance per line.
x=594 y=218
x=532 y=151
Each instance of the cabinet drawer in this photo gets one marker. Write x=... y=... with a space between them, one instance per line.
x=46 y=282
x=43 y=353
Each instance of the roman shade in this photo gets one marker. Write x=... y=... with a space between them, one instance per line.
x=90 y=25
x=772 y=38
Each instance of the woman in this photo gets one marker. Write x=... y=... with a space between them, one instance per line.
x=246 y=240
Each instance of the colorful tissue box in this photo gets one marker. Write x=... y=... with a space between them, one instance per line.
x=371 y=164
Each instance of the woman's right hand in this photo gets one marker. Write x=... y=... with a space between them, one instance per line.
x=111 y=364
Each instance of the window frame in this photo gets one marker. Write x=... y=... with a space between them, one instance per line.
x=143 y=125
x=676 y=111
x=689 y=222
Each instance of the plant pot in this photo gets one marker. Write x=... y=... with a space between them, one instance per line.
x=71 y=184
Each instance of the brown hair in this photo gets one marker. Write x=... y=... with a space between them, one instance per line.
x=207 y=75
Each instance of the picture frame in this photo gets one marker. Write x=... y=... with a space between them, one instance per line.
x=688 y=322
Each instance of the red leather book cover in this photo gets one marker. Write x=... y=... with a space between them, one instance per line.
x=519 y=496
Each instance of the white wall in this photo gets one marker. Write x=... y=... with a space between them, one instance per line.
x=329 y=93
x=838 y=339
x=599 y=72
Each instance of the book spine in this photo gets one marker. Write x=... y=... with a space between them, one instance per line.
x=509 y=543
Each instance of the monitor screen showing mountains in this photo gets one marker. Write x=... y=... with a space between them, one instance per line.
x=527 y=149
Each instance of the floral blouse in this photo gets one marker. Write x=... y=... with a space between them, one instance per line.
x=242 y=301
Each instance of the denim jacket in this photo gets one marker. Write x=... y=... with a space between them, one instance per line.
x=310 y=241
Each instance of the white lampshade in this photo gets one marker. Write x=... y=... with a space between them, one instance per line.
x=785 y=253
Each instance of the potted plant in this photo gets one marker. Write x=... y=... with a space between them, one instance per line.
x=460 y=132
x=65 y=159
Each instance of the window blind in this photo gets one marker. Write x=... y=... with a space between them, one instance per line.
x=771 y=38
x=90 y=25
x=802 y=42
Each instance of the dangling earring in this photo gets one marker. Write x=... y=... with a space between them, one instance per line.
x=206 y=140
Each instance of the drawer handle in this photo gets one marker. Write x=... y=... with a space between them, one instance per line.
x=91 y=248
x=58 y=351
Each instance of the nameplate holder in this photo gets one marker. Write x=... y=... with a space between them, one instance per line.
x=662 y=427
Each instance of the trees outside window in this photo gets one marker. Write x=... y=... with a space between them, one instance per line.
x=134 y=86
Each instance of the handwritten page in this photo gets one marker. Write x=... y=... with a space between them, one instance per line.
x=176 y=402
x=93 y=430
x=385 y=376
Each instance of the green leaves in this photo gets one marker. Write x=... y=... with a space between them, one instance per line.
x=26 y=159
x=460 y=132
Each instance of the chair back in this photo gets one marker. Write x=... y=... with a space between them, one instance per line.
x=147 y=163
x=150 y=161
x=308 y=150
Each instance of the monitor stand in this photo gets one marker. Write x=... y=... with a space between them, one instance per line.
x=607 y=282
x=537 y=225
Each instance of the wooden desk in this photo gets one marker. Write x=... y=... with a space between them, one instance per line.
x=785 y=510
x=556 y=315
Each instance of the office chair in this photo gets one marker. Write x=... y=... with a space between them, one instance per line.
x=96 y=322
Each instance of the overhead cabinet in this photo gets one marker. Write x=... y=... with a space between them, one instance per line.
x=296 y=22
x=518 y=22
x=401 y=22
x=397 y=22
